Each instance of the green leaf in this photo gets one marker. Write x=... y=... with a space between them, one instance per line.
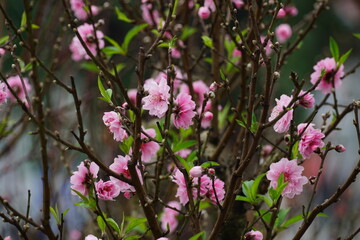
x=101 y=223
x=192 y=157
x=197 y=236
x=334 y=49
x=34 y=26
x=113 y=224
x=130 y=35
x=281 y=216
x=126 y=145
x=183 y=145
x=187 y=32
x=293 y=220
x=90 y=66
x=175 y=7
x=254 y=124
x=209 y=164
x=115 y=44
x=207 y=41
x=80 y=195
x=255 y=185
x=132 y=237
x=65 y=212
x=23 y=21
x=134 y=223
x=111 y=50
x=88 y=204
x=357 y=35
x=223 y=115
x=55 y=214
x=121 y=16
x=103 y=92
x=187 y=165
x=242 y=198
x=3 y=40
x=222 y=75
x=344 y=57
x=295 y=150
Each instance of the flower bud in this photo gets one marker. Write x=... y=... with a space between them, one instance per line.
x=340 y=148
x=196 y=171
x=211 y=171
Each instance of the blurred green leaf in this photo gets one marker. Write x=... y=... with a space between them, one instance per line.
x=187 y=32
x=344 y=57
x=101 y=223
x=183 y=145
x=334 y=49
x=209 y=164
x=134 y=223
x=207 y=41
x=130 y=35
x=198 y=235
x=121 y=16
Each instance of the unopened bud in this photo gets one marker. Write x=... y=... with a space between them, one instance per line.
x=340 y=148
x=211 y=171
x=196 y=171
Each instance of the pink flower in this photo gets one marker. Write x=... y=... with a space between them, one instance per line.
x=183 y=111
x=86 y=32
x=196 y=171
x=307 y=101
x=149 y=14
x=81 y=180
x=292 y=175
x=120 y=166
x=7 y=238
x=331 y=78
x=158 y=99
x=91 y=237
x=210 y=4
x=200 y=88
x=149 y=149
x=281 y=13
x=218 y=188
x=283 y=32
x=206 y=119
x=283 y=124
x=3 y=93
x=169 y=217
x=266 y=150
x=204 y=12
x=238 y=3
x=175 y=53
x=2 y=52
x=78 y=7
x=311 y=139
x=16 y=84
x=268 y=49
x=75 y=234
x=254 y=235
x=107 y=190
x=184 y=153
x=132 y=95
x=236 y=53
x=291 y=10
x=162 y=238
x=112 y=121
x=206 y=188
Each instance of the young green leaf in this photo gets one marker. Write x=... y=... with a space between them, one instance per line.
x=183 y=145
x=113 y=224
x=344 y=57
x=187 y=32
x=197 y=236
x=55 y=214
x=126 y=145
x=104 y=93
x=133 y=237
x=209 y=164
x=101 y=223
x=121 y=16
x=134 y=223
x=334 y=49
x=118 y=48
x=255 y=185
x=207 y=41
x=130 y=35
x=357 y=35
x=3 y=40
